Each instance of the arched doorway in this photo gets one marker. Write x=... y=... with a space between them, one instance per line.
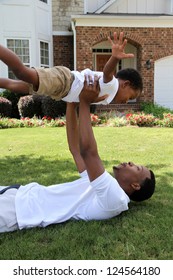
x=102 y=52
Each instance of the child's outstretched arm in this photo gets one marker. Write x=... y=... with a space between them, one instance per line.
x=118 y=52
x=22 y=72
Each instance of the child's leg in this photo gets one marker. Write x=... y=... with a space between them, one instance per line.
x=14 y=85
x=22 y=72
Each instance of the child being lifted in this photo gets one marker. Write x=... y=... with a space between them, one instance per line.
x=59 y=82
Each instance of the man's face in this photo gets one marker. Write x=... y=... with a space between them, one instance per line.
x=129 y=173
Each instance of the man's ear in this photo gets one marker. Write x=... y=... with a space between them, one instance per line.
x=135 y=186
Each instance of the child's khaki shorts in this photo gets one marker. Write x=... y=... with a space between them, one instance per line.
x=54 y=82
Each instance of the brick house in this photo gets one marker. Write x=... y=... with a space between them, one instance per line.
x=73 y=33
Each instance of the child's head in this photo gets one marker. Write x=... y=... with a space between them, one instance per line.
x=130 y=85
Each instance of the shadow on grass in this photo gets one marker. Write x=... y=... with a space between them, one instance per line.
x=25 y=169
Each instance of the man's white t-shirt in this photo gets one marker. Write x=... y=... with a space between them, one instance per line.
x=37 y=205
x=110 y=88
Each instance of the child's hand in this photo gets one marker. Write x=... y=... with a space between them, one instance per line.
x=118 y=46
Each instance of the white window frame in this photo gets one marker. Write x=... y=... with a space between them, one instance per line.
x=21 y=52
x=46 y=57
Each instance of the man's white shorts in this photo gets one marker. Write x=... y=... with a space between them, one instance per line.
x=8 y=220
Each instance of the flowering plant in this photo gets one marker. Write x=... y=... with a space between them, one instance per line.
x=47 y=118
x=141 y=119
x=95 y=119
x=31 y=122
x=167 y=120
x=137 y=119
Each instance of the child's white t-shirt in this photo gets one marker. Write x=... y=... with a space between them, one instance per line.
x=110 y=88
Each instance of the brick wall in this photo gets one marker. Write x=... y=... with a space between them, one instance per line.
x=63 y=51
x=118 y=107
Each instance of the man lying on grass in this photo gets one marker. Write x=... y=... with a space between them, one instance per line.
x=97 y=195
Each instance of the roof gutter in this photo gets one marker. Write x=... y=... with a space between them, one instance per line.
x=124 y=20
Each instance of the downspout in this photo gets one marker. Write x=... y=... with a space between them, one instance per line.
x=74 y=41
x=171 y=6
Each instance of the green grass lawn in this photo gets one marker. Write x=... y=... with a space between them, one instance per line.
x=143 y=232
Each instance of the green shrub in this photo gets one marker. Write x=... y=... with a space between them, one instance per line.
x=155 y=109
x=30 y=105
x=14 y=98
x=40 y=105
x=53 y=108
x=5 y=107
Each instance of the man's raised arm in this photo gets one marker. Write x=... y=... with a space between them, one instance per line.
x=73 y=135
x=88 y=145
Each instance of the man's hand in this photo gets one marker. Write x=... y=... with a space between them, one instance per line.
x=118 y=47
x=90 y=91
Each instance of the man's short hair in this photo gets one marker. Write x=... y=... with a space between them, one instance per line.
x=131 y=75
x=147 y=189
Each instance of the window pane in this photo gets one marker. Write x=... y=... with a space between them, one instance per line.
x=10 y=44
x=25 y=59
x=26 y=52
x=24 y=43
x=21 y=49
x=44 y=54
